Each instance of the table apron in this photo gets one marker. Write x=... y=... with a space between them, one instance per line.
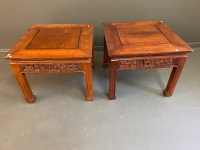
x=147 y=62
x=50 y=67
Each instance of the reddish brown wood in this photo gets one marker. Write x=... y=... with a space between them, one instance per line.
x=53 y=48
x=176 y=72
x=142 y=45
x=112 y=79
x=105 y=55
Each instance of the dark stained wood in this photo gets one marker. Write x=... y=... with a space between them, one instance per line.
x=176 y=72
x=53 y=48
x=142 y=45
x=105 y=55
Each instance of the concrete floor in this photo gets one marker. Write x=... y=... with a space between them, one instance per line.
x=139 y=119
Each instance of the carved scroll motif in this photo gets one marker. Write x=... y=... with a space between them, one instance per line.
x=50 y=68
x=146 y=63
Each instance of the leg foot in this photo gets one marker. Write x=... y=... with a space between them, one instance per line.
x=166 y=94
x=31 y=100
x=89 y=98
x=112 y=97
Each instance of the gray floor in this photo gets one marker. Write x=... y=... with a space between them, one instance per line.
x=139 y=119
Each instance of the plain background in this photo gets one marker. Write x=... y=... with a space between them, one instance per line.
x=18 y=15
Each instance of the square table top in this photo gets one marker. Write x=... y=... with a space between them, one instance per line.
x=142 y=38
x=54 y=41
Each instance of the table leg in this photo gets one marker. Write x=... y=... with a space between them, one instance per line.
x=175 y=74
x=112 y=80
x=105 y=55
x=93 y=63
x=23 y=83
x=88 y=79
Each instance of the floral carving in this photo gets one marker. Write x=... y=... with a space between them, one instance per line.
x=146 y=63
x=50 y=68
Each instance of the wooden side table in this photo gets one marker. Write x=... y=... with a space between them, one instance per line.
x=142 y=45
x=53 y=48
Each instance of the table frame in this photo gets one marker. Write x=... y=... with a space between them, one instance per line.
x=146 y=62
x=53 y=57
x=21 y=68
x=143 y=45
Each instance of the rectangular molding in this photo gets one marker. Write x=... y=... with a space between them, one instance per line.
x=193 y=45
x=100 y=48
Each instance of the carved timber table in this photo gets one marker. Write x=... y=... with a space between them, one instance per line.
x=142 y=45
x=53 y=48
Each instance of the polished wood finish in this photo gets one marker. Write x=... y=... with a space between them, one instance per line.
x=53 y=48
x=143 y=45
